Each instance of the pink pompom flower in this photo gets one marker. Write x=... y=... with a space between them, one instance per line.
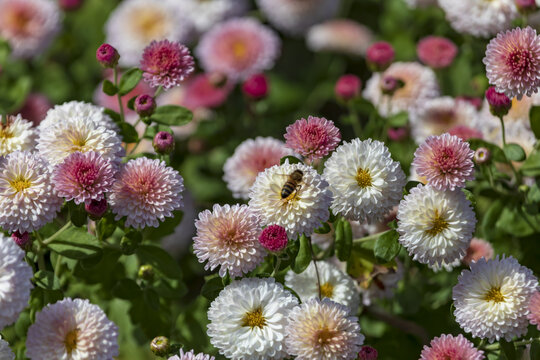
x=166 y=64
x=445 y=161
x=380 y=55
x=313 y=138
x=513 y=62
x=477 y=250
x=256 y=87
x=534 y=309
x=436 y=52
x=451 y=348
x=274 y=238
x=83 y=177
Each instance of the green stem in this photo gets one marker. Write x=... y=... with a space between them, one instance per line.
x=41 y=261
x=497 y=346
x=370 y=237
x=357 y=126
x=56 y=234
x=57 y=266
x=314 y=259
x=120 y=106
x=158 y=91
x=503 y=131
x=276 y=266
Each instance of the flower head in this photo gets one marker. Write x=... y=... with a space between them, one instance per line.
x=323 y=330
x=96 y=208
x=5 y=351
x=107 y=56
x=72 y=329
x=512 y=62
x=190 y=355
x=445 y=161
x=340 y=36
x=499 y=103
x=477 y=250
x=534 y=309
x=163 y=142
x=145 y=105
x=380 y=55
x=256 y=86
x=465 y=132
x=165 y=63
x=491 y=299
x=15 y=134
x=205 y=14
x=146 y=191
x=313 y=138
x=437 y=52
x=248 y=320
x=368 y=353
x=228 y=237
x=274 y=238
x=451 y=348
x=348 y=87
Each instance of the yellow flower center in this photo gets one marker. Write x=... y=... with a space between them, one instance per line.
x=71 y=340
x=363 y=178
x=327 y=290
x=5 y=132
x=324 y=336
x=20 y=183
x=494 y=294
x=438 y=225
x=150 y=23
x=239 y=49
x=254 y=318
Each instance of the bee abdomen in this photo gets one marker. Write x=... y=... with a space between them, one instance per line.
x=287 y=189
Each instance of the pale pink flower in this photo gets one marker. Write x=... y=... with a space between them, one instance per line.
x=313 y=138
x=437 y=52
x=449 y=347
x=166 y=64
x=478 y=249
x=465 y=132
x=534 y=309
x=200 y=92
x=341 y=36
x=146 y=192
x=82 y=177
x=238 y=48
x=513 y=62
x=445 y=161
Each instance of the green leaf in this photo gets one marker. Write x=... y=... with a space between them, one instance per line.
x=167 y=227
x=303 y=258
x=172 y=115
x=106 y=226
x=126 y=289
x=75 y=243
x=77 y=214
x=129 y=80
x=470 y=196
x=411 y=184
x=109 y=88
x=387 y=246
x=497 y=154
x=292 y=160
x=212 y=287
x=159 y=259
x=490 y=219
x=531 y=166
x=398 y=120
x=509 y=349
x=131 y=103
x=514 y=152
x=151 y=131
x=535 y=350
x=128 y=132
x=46 y=280
x=534 y=118
x=113 y=115
x=344 y=240
x=323 y=229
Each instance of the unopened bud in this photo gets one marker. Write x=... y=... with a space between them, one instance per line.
x=160 y=346
x=96 y=208
x=107 y=56
x=256 y=87
x=348 y=87
x=23 y=240
x=163 y=142
x=145 y=105
x=499 y=103
x=368 y=353
x=526 y=6
x=380 y=55
x=146 y=272
x=70 y=5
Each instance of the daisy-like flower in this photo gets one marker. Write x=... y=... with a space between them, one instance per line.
x=29 y=26
x=248 y=319
x=146 y=192
x=83 y=177
x=313 y=138
x=491 y=299
x=323 y=330
x=165 y=63
x=451 y=348
x=419 y=84
x=27 y=196
x=445 y=161
x=238 y=48
x=295 y=17
x=15 y=134
x=15 y=285
x=435 y=226
x=364 y=179
x=205 y=14
x=136 y=23
x=250 y=158
x=190 y=355
x=228 y=237
x=512 y=64
x=299 y=209
x=341 y=36
x=73 y=109
x=334 y=284
x=534 y=309
x=478 y=249
x=5 y=351
x=72 y=329
x=440 y=115
x=479 y=17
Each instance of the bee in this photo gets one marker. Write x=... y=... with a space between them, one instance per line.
x=292 y=185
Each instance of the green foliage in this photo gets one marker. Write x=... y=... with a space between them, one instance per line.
x=172 y=115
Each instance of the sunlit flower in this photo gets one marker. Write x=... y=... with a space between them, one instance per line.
x=341 y=36
x=451 y=348
x=16 y=133
x=166 y=64
x=478 y=249
x=313 y=138
x=274 y=238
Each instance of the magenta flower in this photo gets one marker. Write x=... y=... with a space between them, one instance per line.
x=449 y=347
x=368 y=353
x=499 y=103
x=256 y=87
x=380 y=55
x=83 y=177
x=274 y=238
x=313 y=138
x=107 y=56
x=436 y=52
x=513 y=62
x=534 y=308
x=166 y=63
x=445 y=161
x=348 y=87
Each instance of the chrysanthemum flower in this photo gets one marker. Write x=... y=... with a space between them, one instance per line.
x=534 y=309
x=301 y=211
x=190 y=355
x=205 y=14
x=274 y=238
x=29 y=26
x=437 y=52
x=419 y=84
x=248 y=320
x=145 y=192
x=249 y=159
x=72 y=329
x=15 y=285
x=334 y=284
x=16 y=133
x=228 y=237
x=165 y=63
x=364 y=179
x=323 y=330
x=440 y=115
x=313 y=138
x=445 y=161
x=27 y=196
x=136 y=23
x=341 y=36
x=435 y=226
x=479 y=17
x=478 y=249
x=512 y=62
x=238 y=48
x=491 y=299
x=451 y=348
x=295 y=17
x=83 y=177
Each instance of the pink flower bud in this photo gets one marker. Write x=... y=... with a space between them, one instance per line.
x=274 y=238
x=526 y=6
x=256 y=86
x=22 y=240
x=499 y=103
x=107 y=56
x=96 y=208
x=145 y=105
x=348 y=87
x=436 y=52
x=380 y=55
x=397 y=134
x=163 y=142
x=368 y=353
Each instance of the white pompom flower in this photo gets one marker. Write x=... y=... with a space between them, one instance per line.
x=16 y=134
